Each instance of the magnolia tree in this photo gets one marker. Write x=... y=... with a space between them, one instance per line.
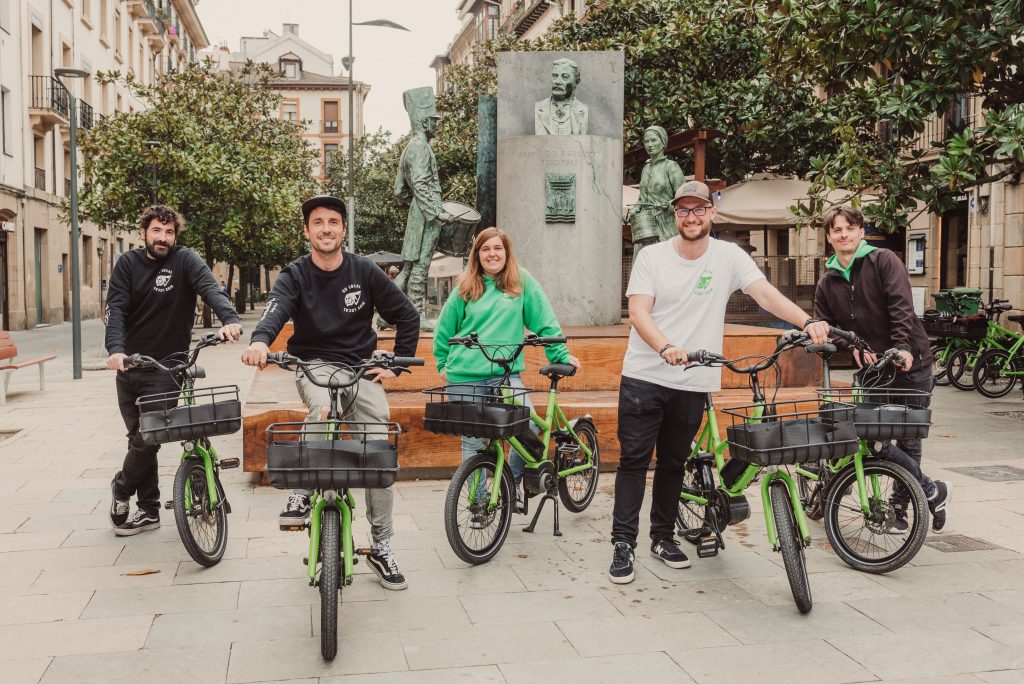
x=220 y=154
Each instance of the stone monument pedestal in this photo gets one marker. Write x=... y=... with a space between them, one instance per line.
x=565 y=219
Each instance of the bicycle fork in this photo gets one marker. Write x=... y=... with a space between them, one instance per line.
x=794 y=500
x=345 y=505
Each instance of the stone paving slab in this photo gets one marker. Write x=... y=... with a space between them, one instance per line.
x=541 y=611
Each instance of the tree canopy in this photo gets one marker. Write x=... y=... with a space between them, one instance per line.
x=222 y=157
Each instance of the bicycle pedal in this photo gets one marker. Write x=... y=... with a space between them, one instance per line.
x=363 y=551
x=169 y=505
x=291 y=527
x=227 y=463
x=707 y=547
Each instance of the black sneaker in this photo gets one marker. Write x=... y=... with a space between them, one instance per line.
x=118 y=508
x=938 y=503
x=621 y=571
x=670 y=553
x=140 y=522
x=382 y=561
x=296 y=510
x=899 y=523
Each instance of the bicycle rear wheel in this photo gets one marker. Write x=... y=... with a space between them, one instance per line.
x=791 y=545
x=990 y=378
x=939 y=359
x=330 y=581
x=877 y=541
x=960 y=367
x=203 y=529
x=577 y=490
x=475 y=531
x=811 y=495
x=692 y=518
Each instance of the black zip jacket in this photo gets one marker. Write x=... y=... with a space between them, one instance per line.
x=332 y=311
x=152 y=302
x=876 y=304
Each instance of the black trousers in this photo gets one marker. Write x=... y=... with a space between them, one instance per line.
x=139 y=474
x=652 y=416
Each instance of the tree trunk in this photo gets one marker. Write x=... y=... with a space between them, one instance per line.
x=231 y=276
x=208 y=249
x=243 y=283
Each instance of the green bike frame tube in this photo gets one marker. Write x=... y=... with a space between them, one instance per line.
x=318 y=504
x=209 y=457
x=556 y=419
x=346 y=539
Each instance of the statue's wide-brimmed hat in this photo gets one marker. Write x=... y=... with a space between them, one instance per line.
x=419 y=103
x=323 y=201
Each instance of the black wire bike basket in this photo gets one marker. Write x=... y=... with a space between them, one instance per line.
x=962 y=327
x=884 y=413
x=326 y=455
x=793 y=432
x=189 y=414
x=460 y=410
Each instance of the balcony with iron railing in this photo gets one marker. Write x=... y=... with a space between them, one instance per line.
x=149 y=19
x=329 y=126
x=48 y=103
x=67 y=187
x=40 y=179
x=942 y=127
x=86 y=116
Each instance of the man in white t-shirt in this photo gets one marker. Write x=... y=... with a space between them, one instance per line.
x=677 y=293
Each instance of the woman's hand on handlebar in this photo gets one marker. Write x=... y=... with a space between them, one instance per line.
x=574 y=362
x=256 y=355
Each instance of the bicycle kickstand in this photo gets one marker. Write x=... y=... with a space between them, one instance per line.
x=533 y=523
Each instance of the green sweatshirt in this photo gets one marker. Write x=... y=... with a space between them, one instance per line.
x=496 y=318
x=863 y=249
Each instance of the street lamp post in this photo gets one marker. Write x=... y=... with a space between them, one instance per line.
x=347 y=63
x=76 y=283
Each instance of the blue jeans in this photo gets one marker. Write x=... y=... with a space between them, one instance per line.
x=471 y=445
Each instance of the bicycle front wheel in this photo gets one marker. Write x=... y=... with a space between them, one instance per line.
x=791 y=545
x=960 y=368
x=577 y=490
x=330 y=581
x=475 y=530
x=991 y=377
x=891 y=533
x=203 y=528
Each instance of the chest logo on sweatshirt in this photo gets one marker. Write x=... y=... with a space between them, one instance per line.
x=353 y=298
x=163 y=280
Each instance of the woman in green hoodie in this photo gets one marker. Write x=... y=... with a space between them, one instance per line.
x=496 y=299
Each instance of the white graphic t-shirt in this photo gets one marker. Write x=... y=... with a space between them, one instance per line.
x=689 y=308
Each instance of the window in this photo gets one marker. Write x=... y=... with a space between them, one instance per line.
x=102 y=19
x=131 y=45
x=290 y=111
x=5 y=120
x=85 y=8
x=330 y=120
x=330 y=152
x=291 y=69
x=87 y=271
x=117 y=31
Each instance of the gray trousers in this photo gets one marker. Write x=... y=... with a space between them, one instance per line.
x=369 y=404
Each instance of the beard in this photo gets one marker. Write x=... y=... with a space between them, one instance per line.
x=151 y=248
x=704 y=232
x=327 y=252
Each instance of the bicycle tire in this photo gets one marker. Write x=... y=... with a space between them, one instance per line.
x=588 y=478
x=959 y=368
x=330 y=581
x=692 y=518
x=209 y=550
x=988 y=374
x=791 y=546
x=846 y=482
x=939 y=369
x=499 y=520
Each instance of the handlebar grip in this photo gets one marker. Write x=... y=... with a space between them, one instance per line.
x=280 y=358
x=699 y=356
x=550 y=340
x=407 y=361
x=844 y=334
x=458 y=340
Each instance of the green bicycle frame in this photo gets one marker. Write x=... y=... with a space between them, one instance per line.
x=345 y=505
x=556 y=419
x=209 y=457
x=710 y=440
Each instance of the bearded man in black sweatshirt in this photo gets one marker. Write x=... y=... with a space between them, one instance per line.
x=150 y=309
x=330 y=296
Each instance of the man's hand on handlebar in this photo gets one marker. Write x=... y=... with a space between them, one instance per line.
x=818 y=331
x=230 y=332
x=116 y=362
x=256 y=355
x=675 y=356
x=905 y=360
x=379 y=374
x=864 y=358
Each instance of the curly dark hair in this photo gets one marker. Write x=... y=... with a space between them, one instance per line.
x=163 y=215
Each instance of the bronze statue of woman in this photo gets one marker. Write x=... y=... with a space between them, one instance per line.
x=651 y=217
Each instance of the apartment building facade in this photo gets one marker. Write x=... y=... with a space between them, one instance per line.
x=142 y=37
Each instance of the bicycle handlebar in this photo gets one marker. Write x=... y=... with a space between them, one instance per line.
x=473 y=340
x=789 y=340
x=142 y=361
x=380 y=359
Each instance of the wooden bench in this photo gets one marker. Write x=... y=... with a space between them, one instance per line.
x=8 y=352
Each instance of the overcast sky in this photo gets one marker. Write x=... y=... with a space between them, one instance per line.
x=391 y=61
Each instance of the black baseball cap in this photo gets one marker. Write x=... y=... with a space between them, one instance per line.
x=323 y=201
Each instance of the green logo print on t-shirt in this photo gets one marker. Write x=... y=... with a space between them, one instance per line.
x=704 y=283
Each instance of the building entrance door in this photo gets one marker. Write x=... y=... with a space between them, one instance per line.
x=953 y=272
x=40 y=234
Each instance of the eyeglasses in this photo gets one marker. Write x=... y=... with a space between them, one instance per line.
x=683 y=212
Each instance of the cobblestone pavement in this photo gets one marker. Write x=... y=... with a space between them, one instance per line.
x=72 y=608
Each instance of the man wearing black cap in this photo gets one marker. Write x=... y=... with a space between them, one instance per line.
x=330 y=296
x=678 y=292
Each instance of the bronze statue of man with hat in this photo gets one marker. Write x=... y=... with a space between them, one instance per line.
x=418 y=184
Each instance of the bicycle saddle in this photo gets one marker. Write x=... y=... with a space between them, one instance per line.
x=1017 y=319
x=561 y=370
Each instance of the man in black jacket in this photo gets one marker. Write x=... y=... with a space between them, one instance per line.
x=150 y=310
x=866 y=290
x=330 y=296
